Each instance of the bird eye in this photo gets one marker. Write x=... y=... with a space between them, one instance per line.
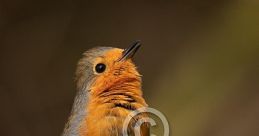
x=100 y=67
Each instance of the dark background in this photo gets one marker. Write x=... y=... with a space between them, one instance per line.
x=199 y=61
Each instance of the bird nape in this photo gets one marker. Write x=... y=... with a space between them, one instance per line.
x=109 y=88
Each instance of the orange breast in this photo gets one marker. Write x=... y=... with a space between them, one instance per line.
x=106 y=118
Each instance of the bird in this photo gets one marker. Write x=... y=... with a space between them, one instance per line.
x=108 y=89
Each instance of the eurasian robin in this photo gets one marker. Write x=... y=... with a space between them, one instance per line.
x=109 y=88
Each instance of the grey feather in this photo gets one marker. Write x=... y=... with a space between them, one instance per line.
x=84 y=77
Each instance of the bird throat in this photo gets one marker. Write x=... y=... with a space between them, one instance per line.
x=107 y=109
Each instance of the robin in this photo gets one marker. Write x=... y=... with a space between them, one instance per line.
x=109 y=88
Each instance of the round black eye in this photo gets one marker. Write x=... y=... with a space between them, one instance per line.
x=99 y=68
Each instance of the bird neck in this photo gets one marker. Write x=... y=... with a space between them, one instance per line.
x=90 y=111
x=78 y=113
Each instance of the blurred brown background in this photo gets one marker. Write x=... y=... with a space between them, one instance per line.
x=199 y=60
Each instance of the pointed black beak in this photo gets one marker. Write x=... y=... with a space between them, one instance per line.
x=129 y=52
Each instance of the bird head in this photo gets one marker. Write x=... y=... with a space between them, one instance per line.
x=103 y=68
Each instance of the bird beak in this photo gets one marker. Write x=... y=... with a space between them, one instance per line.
x=129 y=52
